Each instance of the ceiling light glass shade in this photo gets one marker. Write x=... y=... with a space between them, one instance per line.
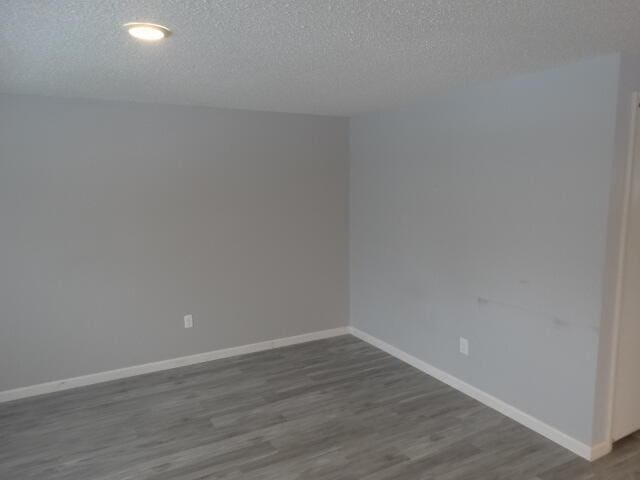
x=149 y=32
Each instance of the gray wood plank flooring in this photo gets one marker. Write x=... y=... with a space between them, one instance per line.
x=332 y=409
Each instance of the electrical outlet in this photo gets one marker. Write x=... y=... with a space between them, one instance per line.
x=188 y=321
x=464 y=346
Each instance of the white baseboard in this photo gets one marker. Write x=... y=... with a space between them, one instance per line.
x=579 y=448
x=600 y=450
x=109 y=375
x=585 y=451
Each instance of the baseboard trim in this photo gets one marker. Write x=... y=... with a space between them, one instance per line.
x=600 y=450
x=583 y=450
x=93 y=378
x=562 y=439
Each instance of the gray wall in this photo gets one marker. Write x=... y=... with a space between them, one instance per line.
x=117 y=219
x=483 y=214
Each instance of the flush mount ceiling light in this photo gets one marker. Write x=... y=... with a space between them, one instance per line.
x=149 y=32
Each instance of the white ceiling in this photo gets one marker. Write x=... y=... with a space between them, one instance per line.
x=312 y=56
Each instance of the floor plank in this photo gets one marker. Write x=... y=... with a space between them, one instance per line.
x=332 y=409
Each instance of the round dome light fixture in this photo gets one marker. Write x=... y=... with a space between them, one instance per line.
x=148 y=32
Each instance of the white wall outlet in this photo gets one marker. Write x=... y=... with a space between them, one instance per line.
x=464 y=346
x=188 y=321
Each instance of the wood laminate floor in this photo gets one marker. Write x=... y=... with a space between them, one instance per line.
x=331 y=409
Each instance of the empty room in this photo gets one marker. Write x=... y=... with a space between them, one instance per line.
x=320 y=240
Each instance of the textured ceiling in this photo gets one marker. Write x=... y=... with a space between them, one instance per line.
x=312 y=56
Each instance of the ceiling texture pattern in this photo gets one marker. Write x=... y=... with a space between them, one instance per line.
x=336 y=57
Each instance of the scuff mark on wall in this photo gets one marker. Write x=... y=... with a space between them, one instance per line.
x=555 y=320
